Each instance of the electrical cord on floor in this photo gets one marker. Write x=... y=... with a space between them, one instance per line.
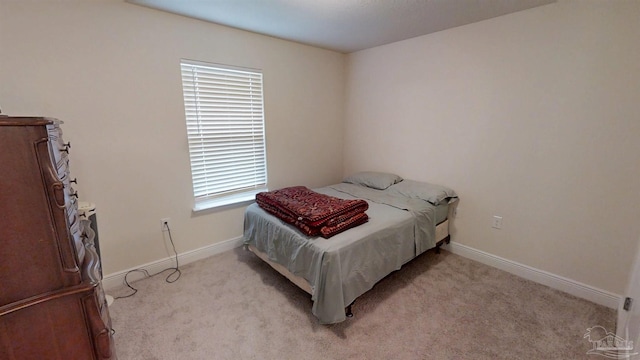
x=171 y=278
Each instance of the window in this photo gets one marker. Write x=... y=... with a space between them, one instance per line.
x=225 y=129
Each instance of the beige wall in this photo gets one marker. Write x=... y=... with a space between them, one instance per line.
x=110 y=70
x=531 y=116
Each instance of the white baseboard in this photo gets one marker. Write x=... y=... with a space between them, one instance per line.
x=575 y=288
x=584 y=291
x=115 y=280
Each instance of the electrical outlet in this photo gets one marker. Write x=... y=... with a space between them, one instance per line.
x=497 y=222
x=164 y=222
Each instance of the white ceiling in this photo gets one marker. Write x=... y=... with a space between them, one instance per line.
x=342 y=25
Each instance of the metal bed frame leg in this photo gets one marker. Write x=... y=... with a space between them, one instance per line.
x=347 y=310
x=446 y=240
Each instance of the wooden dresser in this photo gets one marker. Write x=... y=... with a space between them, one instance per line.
x=52 y=305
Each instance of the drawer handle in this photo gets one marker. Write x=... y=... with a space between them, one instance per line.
x=75 y=181
x=75 y=194
x=66 y=148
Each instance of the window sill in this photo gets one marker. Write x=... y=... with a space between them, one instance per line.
x=226 y=201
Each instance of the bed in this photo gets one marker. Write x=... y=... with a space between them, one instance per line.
x=405 y=219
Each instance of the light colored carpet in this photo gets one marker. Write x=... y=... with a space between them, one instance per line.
x=234 y=306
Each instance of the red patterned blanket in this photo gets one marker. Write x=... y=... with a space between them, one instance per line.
x=313 y=213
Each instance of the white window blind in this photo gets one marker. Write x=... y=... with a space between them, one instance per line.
x=225 y=128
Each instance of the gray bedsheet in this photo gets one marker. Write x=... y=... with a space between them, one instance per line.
x=345 y=266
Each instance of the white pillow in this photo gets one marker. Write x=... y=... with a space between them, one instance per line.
x=372 y=179
x=435 y=194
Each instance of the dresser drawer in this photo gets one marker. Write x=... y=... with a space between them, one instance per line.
x=71 y=202
x=76 y=238
x=72 y=215
x=59 y=151
x=91 y=267
x=62 y=325
x=62 y=167
x=57 y=147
